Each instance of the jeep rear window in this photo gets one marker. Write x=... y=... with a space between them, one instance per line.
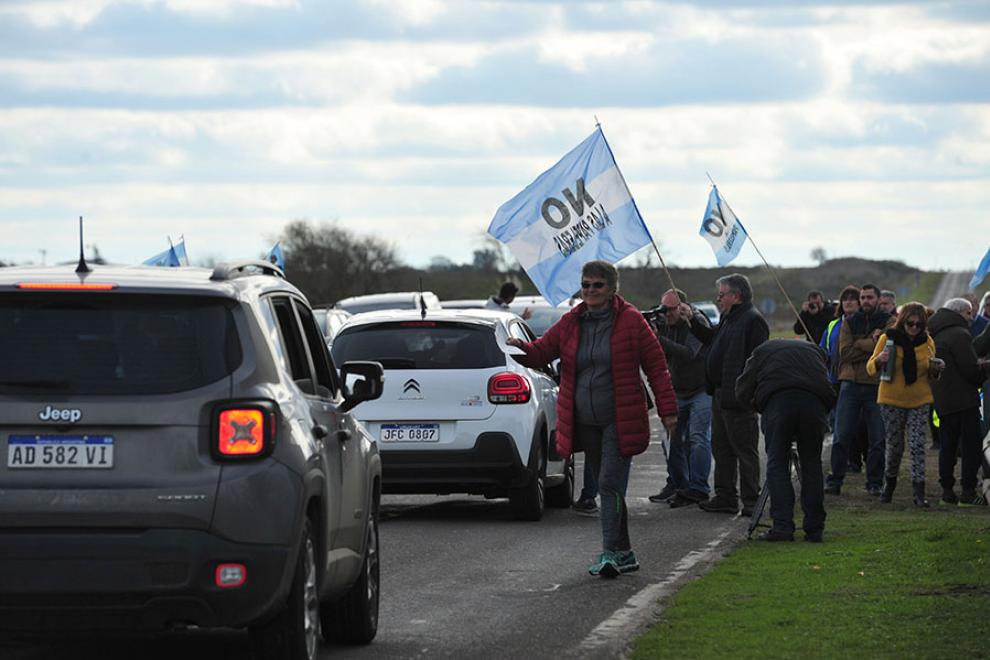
x=416 y=345
x=114 y=344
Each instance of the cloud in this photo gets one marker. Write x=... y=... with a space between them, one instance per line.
x=661 y=74
x=927 y=83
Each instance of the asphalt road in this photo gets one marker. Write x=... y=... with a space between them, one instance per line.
x=953 y=284
x=461 y=578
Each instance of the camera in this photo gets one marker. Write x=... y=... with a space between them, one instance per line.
x=656 y=317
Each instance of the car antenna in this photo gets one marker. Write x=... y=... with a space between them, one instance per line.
x=82 y=267
x=422 y=301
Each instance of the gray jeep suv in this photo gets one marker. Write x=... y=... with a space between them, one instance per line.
x=180 y=451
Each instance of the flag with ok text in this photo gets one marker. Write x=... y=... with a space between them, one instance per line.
x=722 y=229
x=579 y=210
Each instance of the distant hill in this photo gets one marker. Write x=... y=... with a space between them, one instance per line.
x=643 y=288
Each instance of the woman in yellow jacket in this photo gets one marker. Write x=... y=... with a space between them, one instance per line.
x=905 y=396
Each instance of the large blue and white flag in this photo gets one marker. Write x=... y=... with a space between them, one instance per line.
x=981 y=271
x=168 y=258
x=577 y=211
x=722 y=229
x=275 y=256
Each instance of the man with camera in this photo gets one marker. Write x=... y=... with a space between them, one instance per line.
x=816 y=314
x=689 y=458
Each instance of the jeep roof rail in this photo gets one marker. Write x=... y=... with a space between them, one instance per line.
x=228 y=270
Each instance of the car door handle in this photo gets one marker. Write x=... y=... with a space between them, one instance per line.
x=343 y=434
x=320 y=432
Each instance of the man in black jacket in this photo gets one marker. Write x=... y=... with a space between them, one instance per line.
x=787 y=381
x=957 y=400
x=735 y=436
x=815 y=315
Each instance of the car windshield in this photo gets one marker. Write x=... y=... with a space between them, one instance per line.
x=420 y=345
x=359 y=307
x=114 y=344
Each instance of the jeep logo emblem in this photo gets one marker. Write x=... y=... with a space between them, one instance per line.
x=50 y=414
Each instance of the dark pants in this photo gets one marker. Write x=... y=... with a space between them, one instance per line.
x=959 y=434
x=856 y=399
x=601 y=451
x=859 y=444
x=735 y=448
x=795 y=416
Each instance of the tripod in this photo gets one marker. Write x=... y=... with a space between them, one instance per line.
x=761 y=501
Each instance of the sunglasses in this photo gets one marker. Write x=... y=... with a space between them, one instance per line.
x=592 y=285
x=914 y=324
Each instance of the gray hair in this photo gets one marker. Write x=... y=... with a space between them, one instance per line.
x=958 y=305
x=604 y=270
x=887 y=293
x=739 y=284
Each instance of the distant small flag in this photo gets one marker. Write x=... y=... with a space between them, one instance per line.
x=981 y=271
x=722 y=229
x=275 y=256
x=180 y=251
x=168 y=258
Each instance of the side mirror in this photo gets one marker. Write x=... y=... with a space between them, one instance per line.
x=362 y=381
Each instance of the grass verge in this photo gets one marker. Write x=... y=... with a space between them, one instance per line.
x=890 y=581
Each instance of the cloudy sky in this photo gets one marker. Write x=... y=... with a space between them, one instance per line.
x=860 y=127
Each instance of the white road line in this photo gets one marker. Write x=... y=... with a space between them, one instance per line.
x=643 y=606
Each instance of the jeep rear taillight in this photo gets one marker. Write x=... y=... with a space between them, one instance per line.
x=508 y=388
x=244 y=430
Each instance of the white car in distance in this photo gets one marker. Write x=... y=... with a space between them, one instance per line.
x=458 y=414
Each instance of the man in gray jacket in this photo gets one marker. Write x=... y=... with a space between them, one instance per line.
x=689 y=459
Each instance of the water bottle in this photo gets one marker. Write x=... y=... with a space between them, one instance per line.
x=887 y=372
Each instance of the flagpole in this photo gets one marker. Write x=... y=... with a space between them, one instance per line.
x=633 y=199
x=773 y=273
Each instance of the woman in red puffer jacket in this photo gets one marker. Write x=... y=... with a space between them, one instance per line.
x=601 y=407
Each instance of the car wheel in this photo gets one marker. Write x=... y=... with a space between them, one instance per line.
x=562 y=495
x=354 y=618
x=527 y=501
x=294 y=633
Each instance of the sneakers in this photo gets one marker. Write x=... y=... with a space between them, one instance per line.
x=719 y=505
x=664 y=495
x=687 y=497
x=607 y=565
x=833 y=489
x=626 y=560
x=813 y=537
x=873 y=491
x=611 y=563
x=747 y=510
x=970 y=498
x=586 y=507
x=949 y=496
x=773 y=536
